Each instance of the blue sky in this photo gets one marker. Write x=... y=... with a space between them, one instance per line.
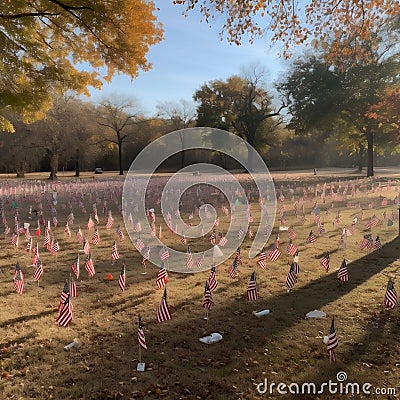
x=191 y=54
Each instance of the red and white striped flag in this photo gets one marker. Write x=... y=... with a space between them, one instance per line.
x=146 y=255
x=141 y=337
x=189 y=258
x=96 y=237
x=262 y=258
x=72 y=287
x=332 y=342
x=18 y=279
x=212 y=279
x=343 y=273
x=390 y=295
x=252 y=292
x=325 y=261
x=163 y=313
x=162 y=277
x=164 y=254
x=208 y=302
x=122 y=278
x=37 y=274
x=75 y=267
x=89 y=266
x=65 y=316
x=114 y=252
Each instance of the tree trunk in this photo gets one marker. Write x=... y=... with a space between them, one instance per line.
x=370 y=153
x=77 y=167
x=360 y=156
x=121 y=170
x=53 y=166
x=21 y=170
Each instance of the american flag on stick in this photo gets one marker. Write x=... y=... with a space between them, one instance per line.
x=162 y=277
x=274 y=254
x=146 y=255
x=65 y=316
x=96 y=237
x=18 y=279
x=212 y=279
x=114 y=252
x=390 y=295
x=163 y=313
x=75 y=267
x=311 y=238
x=38 y=273
x=252 y=292
x=291 y=279
x=189 y=258
x=89 y=266
x=343 y=273
x=141 y=337
x=332 y=342
x=325 y=261
x=292 y=248
x=262 y=258
x=208 y=302
x=122 y=278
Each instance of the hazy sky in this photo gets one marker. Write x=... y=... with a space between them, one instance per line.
x=191 y=54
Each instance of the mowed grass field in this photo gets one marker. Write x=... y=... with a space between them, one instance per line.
x=280 y=347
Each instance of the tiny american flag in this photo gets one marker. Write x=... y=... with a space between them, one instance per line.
x=96 y=237
x=72 y=287
x=110 y=221
x=291 y=279
x=90 y=223
x=75 y=267
x=64 y=295
x=200 y=261
x=121 y=279
x=238 y=256
x=141 y=338
x=274 y=254
x=367 y=242
x=37 y=274
x=79 y=236
x=89 y=266
x=164 y=254
x=292 y=248
x=233 y=270
x=120 y=234
x=377 y=243
x=163 y=313
x=291 y=232
x=213 y=238
x=114 y=252
x=332 y=342
x=311 y=238
x=212 y=279
x=390 y=295
x=189 y=258
x=252 y=292
x=65 y=316
x=86 y=247
x=325 y=261
x=222 y=241
x=162 y=277
x=18 y=279
x=55 y=247
x=67 y=230
x=262 y=258
x=139 y=244
x=343 y=273
x=207 y=300
x=146 y=255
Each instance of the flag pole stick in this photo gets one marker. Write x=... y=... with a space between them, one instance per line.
x=140 y=353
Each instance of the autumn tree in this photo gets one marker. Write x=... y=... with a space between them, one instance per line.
x=118 y=119
x=64 y=133
x=240 y=105
x=323 y=100
x=45 y=42
x=181 y=115
x=347 y=25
